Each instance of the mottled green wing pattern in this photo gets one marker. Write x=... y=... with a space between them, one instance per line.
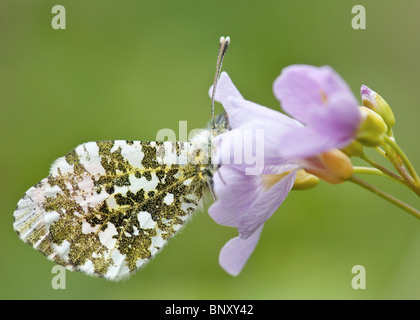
x=108 y=207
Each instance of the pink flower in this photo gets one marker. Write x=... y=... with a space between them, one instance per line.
x=321 y=100
x=326 y=117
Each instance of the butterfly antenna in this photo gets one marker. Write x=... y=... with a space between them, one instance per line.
x=224 y=44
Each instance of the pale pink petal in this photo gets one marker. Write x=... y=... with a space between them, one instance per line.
x=304 y=143
x=237 y=251
x=235 y=193
x=340 y=121
x=266 y=204
x=225 y=89
x=254 y=141
x=242 y=111
x=305 y=90
x=368 y=94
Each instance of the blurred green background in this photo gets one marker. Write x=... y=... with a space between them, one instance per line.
x=126 y=69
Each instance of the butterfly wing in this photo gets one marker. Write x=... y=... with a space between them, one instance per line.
x=108 y=207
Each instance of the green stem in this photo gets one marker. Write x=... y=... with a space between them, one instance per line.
x=415 y=213
x=391 y=142
x=374 y=171
x=405 y=179
x=381 y=152
x=381 y=168
x=396 y=161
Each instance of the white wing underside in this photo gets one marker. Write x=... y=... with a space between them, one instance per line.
x=108 y=207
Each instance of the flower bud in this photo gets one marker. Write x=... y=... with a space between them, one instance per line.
x=305 y=180
x=332 y=166
x=375 y=102
x=354 y=149
x=372 y=128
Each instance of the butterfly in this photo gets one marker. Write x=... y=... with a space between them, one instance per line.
x=107 y=207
